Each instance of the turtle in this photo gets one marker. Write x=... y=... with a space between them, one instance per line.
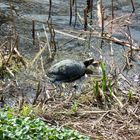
x=68 y=70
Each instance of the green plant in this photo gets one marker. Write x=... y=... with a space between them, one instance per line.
x=97 y=90
x=27 y=110
x=74 y=107
x=104 y=81
x=130 y=95
x=103 y=86
x=26 y=128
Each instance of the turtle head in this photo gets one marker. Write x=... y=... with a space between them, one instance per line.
x=88 y=62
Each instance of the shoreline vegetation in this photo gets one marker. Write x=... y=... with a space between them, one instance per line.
x=34 y=35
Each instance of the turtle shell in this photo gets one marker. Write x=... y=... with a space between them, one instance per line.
x=66 y=70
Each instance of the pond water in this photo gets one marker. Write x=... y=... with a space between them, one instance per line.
x=69 y=46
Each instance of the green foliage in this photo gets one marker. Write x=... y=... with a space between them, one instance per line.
x=97 y=92
x=74 y=107
x=104 y=82
x=130 y=95
x=26 y=111
x=25 y=128
x=103 y=86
